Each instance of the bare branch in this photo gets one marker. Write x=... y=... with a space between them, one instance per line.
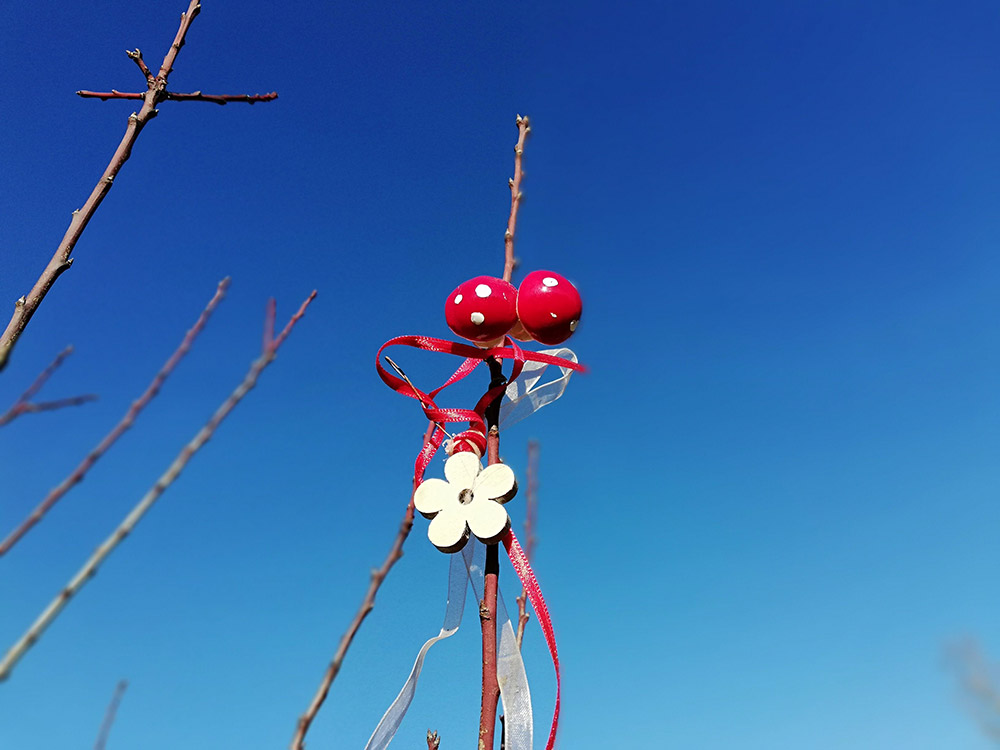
x=194 y=96
x=58 y=403
x=109 y=715
x=24 y=405
x=433 y=740
x=26 y=306
x=523 y=128
x=367 y=605
x=979 y=680
x=488 y=620
x=119 y=429
x=530 y=516
x=91 y=566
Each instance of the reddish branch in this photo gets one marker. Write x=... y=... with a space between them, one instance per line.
x=109 y=715
x=24 y=404
x=156 y=92
x=367 y=605
x=91 y=566
x=530 y=521
x=194 y=96
x=119 y=429
x=433 y=740
x=488 y=622
x=523 y=128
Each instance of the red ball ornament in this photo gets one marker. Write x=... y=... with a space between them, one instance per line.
x=482 y=309
x=548 y=307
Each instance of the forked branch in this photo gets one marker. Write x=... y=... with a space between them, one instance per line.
x=24 y=404
x=90 y=567
x=77 y=475
x=156 y=92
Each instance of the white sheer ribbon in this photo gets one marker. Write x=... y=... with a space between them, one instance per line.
x=393 y=717
x=467 y=568
x=524 y=396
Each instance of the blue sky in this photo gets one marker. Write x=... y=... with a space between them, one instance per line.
x=763 y=514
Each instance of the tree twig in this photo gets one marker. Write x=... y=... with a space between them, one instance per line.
x=76 y=476
x=194 y=96
x=523 y=128
x=136 y=57
x=530 y=521
x=156 y=92
x=24 y=404
x=367 y=605
x=978 y=679
x=91 y=566
x=433 y=740
x=109 y=715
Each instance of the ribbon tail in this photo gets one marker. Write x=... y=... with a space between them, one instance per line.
x=523 y=569
x=393 y=717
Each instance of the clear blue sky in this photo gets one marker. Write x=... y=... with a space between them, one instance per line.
x=763 y=513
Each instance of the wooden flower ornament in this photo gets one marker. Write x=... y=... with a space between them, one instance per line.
x=469 y=499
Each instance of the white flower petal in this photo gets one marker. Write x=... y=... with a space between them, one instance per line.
x=432 y=495
x=495 y=482
x=461 y=470
x=448 y=531
x=487 y=519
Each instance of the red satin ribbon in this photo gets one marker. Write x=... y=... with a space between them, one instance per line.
x=474 y=356
x=476 y=419
x=523 y=569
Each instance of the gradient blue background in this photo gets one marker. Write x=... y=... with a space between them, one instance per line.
x=763 y=514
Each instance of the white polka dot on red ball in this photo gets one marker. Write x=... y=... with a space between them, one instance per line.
x=548 y=307
x=482 y=309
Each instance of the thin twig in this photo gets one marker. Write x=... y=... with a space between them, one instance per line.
x=59 y=403
x=433 y=740
x=530 y=522
x=523 y=128
x=119 y=429
x=44 y=375
x=979 y=680
x=26 y=306
x=136 y=57
x=194 y=96
x=109 y=715
x=90 y=567
x=24 y=404
x=367 y=605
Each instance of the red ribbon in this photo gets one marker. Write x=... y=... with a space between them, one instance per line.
x=477 y=426
x=522 y=567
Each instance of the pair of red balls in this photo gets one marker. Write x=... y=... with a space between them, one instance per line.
x=545 y=308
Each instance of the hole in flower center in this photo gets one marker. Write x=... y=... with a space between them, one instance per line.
x=465 y=497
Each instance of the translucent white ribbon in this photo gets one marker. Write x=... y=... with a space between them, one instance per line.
x=393 y=717
x=467 y=568
x=524 y=396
